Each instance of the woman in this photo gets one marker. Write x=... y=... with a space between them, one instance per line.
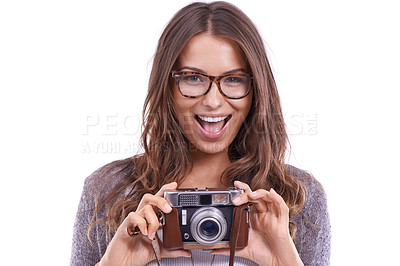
x=212 y=118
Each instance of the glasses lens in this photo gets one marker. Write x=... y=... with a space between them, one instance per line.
x=235 y=86
x=193 y=84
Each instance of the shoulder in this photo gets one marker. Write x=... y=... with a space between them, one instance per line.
x=316 y=196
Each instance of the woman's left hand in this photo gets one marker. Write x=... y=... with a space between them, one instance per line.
x=269 y=240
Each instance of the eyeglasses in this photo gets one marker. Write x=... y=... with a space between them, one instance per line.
x=193 y=84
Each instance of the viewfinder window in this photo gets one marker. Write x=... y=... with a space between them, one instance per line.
x=221 y=198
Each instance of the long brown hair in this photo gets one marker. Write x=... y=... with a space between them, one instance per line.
x=257 y=153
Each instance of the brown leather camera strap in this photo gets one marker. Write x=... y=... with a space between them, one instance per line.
x=239 y=216
x=157 y=250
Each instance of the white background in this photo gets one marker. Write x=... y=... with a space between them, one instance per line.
x=73 y=76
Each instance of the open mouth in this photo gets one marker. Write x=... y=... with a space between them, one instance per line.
x=212 y=124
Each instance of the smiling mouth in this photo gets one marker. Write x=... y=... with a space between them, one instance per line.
x=212 y=124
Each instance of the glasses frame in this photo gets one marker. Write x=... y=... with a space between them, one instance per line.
x=177 y=75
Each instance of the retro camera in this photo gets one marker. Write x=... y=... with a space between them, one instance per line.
x=203 y=219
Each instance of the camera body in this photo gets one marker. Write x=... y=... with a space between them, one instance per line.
x=202 y=219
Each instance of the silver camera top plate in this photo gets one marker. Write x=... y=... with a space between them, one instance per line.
x=201 y=197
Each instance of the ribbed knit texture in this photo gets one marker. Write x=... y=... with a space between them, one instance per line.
x=313 y=244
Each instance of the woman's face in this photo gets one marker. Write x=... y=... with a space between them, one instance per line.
x=211 y=122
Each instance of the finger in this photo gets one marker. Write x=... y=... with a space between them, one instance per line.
x=172 y=185
x=242 y=185
x=280 y=203
x=269 y=201
x=155 y=201
x=261 y=200
x=260 y=194
x=132 y=221
x=242 y=198
x=152 y=221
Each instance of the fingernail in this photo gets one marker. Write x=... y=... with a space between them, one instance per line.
x=167 y=207
x=237 y=200
x=152 y=235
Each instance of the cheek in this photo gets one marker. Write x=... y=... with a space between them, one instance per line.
x=182 y=108
x=243 y=108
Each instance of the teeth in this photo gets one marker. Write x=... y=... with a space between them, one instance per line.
x=212 y=119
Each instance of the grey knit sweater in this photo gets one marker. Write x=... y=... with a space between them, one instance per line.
x=313 y=242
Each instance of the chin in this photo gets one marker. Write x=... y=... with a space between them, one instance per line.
x=210 y=147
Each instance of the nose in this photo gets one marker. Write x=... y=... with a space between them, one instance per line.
x=213 y=99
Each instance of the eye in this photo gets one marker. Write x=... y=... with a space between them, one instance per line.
x=232 y=80
x=193 y=79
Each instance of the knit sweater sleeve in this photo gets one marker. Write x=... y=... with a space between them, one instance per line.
x=84 y=251
x=313 y=237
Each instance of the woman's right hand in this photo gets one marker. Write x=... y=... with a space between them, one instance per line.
x=137 y=250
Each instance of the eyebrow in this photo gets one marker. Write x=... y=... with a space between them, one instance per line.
x=195 y=69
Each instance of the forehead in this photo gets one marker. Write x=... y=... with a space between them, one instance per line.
x=212 y=54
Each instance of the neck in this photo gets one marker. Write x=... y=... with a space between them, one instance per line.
x=207 y=170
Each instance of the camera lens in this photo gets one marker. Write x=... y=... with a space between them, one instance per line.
x=209 y=228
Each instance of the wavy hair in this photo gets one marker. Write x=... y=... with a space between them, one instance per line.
x=258 y=161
